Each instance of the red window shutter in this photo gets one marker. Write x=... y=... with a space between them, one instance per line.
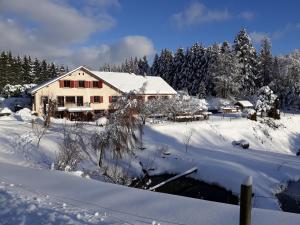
x=76 y=83
x=110 y=99
x=101 y=99
x=61 y=83
x=72 y=83
x=86 y=84
x=100 y=84
x=92 y=99
x=90 y=84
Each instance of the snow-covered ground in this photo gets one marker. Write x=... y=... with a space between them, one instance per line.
x=35 y=193
x=34 y=196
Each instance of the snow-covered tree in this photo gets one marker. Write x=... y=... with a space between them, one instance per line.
x=265 y=63
x=178 y=62
x=266 y=101
x=119 y=136
x=166 y=65
x=247 y=60
x=225 y=73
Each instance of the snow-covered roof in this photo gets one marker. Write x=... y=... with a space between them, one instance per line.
x=245 y=103
x=125 y=82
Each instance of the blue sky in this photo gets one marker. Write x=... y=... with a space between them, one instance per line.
x=91 y=32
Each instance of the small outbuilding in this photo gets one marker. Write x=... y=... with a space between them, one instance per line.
x=244 y=104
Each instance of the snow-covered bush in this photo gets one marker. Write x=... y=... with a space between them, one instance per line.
x=70 y=154
x=102 y=121
x=16 y=90
x=265 y=100
x=5 y=112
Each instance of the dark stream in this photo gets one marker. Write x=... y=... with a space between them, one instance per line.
x=290 y=198
x=189 y=187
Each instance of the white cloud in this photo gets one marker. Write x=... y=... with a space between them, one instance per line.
x=54 y=21
x=129 y=46
x=56 y=30
x=247 y=15
x=197 y=13
x=257 y=37
x=275 y=35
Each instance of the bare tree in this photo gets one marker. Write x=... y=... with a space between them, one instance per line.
x=187 y=138
x=38 y=131
x=69 y=155
x=50 y=112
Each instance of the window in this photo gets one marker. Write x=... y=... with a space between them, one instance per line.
x=60 y=101
x=97 y=99
x=151 y=97
x=70 y=99
x=113 y=98
x=79 y=100
x=67 y=83
x=95 y=84
x=81 y=84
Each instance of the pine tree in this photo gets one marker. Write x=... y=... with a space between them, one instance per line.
x=265 y=63
x=155 y=66
x=195 y=68
x=166 y=65
x=143 y=66
x=247 y=60
x=225 y=73
x=178 y=62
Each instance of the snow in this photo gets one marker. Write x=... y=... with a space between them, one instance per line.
x=79 y=109
x=101 y=121
x=248 y=181
x=127 y=82
x=270 y=160
x=24 y=114
x=92 y=202
x=245 y=103
x=5 y=111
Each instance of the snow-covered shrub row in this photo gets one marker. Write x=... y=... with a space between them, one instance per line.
x=16 y=90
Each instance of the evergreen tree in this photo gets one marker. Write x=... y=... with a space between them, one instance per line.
x=155 y=66
x=143 y=66
x=247 y=60
x=225 y=73
x=178 y=62
x=265 y=63
x=166 y=65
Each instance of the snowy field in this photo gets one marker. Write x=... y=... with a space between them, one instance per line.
x=30 y=192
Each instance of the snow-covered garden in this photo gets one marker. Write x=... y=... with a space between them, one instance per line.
x=29 y=155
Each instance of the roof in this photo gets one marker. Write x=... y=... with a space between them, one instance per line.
x=245 y=103
x=125 y=82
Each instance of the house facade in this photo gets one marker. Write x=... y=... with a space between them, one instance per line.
x=82 y=91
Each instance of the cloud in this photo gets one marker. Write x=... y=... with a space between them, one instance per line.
x=197 y=13
x=247 y=15
x=275 y=35
x=58 y=31
x=257 y=37
x=129 y=46
x=54 y=21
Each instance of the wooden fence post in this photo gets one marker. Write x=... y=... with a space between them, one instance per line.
x=246 y=202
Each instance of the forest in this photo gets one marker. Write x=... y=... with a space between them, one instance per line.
x=227 y=70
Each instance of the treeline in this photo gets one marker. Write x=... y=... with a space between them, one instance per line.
x=224 y=70
x=16 y=70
